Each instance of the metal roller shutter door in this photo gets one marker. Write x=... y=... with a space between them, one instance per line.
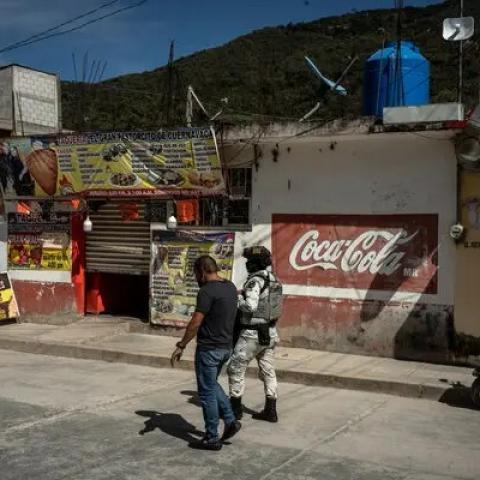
x=118 y=246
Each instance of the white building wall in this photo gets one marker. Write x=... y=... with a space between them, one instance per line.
x=6 y=107
x=377 y=174
x=36 y=98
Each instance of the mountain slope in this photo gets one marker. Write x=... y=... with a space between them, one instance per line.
x=264 y=72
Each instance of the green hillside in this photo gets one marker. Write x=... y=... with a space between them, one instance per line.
x=264 y=73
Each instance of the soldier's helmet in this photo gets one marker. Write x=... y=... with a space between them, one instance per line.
x=258 y=258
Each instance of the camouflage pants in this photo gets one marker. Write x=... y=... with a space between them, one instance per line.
x=246 y=349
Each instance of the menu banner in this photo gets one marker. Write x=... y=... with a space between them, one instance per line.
x=8 y=303
x=173 y=286
x=39 y=241
x=113 y=164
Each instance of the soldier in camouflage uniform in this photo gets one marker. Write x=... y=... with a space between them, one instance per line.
x=258 y=335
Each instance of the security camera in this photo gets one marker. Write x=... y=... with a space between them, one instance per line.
x=456 y=231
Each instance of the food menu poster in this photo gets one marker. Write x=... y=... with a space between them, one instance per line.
x=173 y=286
x=112 y=164
x=39 y=241
x=8 y=303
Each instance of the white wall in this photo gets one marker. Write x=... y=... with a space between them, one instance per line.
x=389 y=173
x=3 y=245
x=47 y=276
x=36 y=101
x=6 y=113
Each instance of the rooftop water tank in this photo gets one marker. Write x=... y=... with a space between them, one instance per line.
x=391 y=82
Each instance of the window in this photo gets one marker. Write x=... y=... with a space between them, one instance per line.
x=224 y=212
x=239 y=211
x=232 y=211
x=240 y=182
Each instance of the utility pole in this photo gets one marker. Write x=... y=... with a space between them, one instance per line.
x=168 y=97
x=460 y=62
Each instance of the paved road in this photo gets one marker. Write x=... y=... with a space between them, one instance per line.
x=77 y=420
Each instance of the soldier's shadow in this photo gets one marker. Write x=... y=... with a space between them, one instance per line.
x=194 y=400
x=172 y=424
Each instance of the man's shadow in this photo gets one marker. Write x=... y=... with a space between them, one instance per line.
x=172 y=424
x=194 y=400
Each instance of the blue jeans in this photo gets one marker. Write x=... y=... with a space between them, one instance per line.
x=215 y=403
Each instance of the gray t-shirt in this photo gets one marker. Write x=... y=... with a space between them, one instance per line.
x=217 y=300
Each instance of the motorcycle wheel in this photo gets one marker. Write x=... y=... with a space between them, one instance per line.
x=476 y=392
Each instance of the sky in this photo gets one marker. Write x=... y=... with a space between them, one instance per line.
x=137 y=40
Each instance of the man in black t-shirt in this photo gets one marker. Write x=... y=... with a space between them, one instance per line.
x=212 y=323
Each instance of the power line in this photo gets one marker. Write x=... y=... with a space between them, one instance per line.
x=73 y=29
x=56 y=27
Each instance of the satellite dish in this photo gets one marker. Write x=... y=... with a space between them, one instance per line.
x=458 y=29
x=331 y=84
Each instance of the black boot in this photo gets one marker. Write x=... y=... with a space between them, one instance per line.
x=269 y=413
x=237 y=407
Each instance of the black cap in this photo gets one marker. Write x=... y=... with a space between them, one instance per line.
x=257 y=251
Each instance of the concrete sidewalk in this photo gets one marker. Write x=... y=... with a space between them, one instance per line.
x=111 y=340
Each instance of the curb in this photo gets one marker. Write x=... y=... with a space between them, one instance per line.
x=317 y=379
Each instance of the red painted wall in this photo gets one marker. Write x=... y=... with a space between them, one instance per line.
x=388 y=329
x=78 y=261
x=52 y=298
x=44 y=298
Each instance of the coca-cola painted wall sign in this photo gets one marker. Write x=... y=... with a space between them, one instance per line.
x=375 y=252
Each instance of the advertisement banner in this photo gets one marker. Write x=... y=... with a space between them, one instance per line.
x=376 y=252
x=8 y=303
x=39 y=241
x=173 y=286
x=113 y=164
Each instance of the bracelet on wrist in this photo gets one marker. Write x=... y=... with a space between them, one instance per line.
x=179 y=345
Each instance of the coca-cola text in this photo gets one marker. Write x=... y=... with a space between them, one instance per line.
x=373 y=251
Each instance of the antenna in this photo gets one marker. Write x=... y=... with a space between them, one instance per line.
x=95 y=75
x=85 y=65
x=74 y=66
x=224 y=100
x=333 y=86
x=92 y=71
x=102 y=72
x=398 y=78
x=459 y=30
x=192 y=96
x=189 y=107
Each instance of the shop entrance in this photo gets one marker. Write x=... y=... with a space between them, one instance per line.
x=118 y=259
x=117 y=294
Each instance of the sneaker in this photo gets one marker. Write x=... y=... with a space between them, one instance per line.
x=231 y=430
x=206 y=444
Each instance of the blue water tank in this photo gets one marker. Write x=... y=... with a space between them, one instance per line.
x=392 y=82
